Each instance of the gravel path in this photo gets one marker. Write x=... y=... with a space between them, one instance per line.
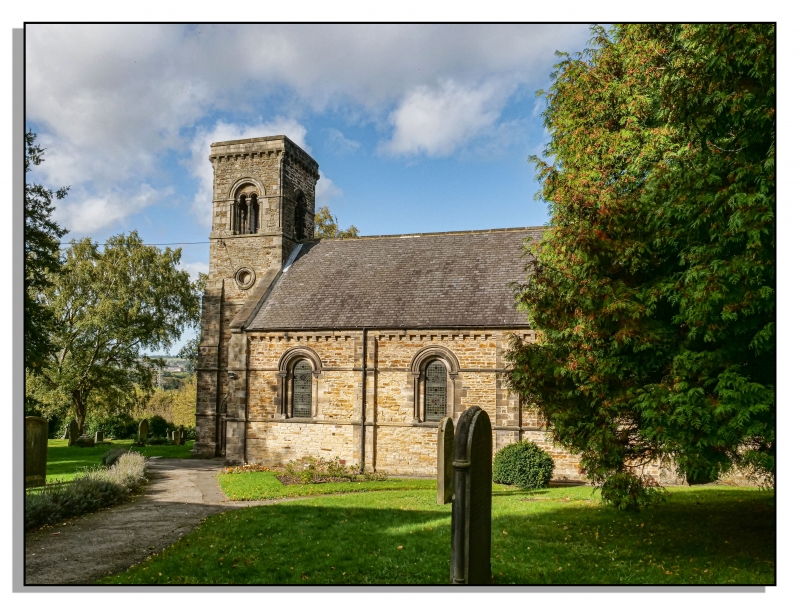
x=181 y=493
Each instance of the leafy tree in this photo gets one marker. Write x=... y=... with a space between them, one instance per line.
x=109 y=305
x=176 y=406
x=653 y=293
x=190 y=351
x=42 y=236
x=326 y=226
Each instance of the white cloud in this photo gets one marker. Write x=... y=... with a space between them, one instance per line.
x=86 y=216
x=326 y=190
x=194 y=268
x=434 y=121
x=113 y=102
x=200 y=147
x=340 y=143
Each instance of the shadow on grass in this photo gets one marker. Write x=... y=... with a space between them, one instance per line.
x=702 y=537
x=709 y=537
x=64 y=462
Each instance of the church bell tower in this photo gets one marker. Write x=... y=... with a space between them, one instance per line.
x=263 y=206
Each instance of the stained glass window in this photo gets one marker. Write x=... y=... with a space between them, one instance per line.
x=435 y=391
x=301 y=390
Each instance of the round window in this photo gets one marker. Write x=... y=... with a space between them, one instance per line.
x=245 y=277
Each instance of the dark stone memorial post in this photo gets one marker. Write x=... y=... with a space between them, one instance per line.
x=35 y=451
x=444 y=462
x=74 y=432
x=471 y=532
x=144 y=429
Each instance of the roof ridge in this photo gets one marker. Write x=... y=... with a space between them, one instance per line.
x=448 y=232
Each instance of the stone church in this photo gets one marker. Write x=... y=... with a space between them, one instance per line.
x=348 y=349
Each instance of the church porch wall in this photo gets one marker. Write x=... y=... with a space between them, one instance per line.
x=507 y=413
x=395 y=397
x=473 y=350
x=277 y=443
x=502 y=438
x=335 y=349
x=338 y=386
x=336 y=393
x=479 y=389
x=263 y=391
x=406 y=450
x=529 y=416
x=340 y=395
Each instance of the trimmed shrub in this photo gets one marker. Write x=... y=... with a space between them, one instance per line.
x=94 y=490
x=523 y=464
x=111 y=457
x=629 y=492
x=313 y=470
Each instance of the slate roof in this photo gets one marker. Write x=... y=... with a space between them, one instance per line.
x=436 y=280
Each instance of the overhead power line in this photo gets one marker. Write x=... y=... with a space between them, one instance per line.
x=154 y=244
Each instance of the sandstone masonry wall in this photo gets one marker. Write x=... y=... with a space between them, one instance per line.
x=395 y=442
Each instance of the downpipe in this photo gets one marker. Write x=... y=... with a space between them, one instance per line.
x=363 y=396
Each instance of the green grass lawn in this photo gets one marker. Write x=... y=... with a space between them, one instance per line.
x=264 y=485
x=65 y=463
x=711 y=535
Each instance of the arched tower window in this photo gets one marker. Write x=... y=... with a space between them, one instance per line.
x=300 y=217
x=245 y=214
x=253 y=214
x=435 y=391
x=240 y=225
x=301 y=389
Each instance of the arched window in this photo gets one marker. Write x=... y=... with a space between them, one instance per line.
x=301 y=389
x=241 y=215
x=300 y=217
x=245 y=214
x=298 y=370
x=253 y=214
x=435 y=391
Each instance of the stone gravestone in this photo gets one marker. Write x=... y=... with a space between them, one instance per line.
x=144 y=429
x=176 y=437
x=444 y=462
x=98 y=437
x=74 y=432
x=35 y=451
x=66 y=433
x=471 y=531
x=182 y=434
x=84 y=441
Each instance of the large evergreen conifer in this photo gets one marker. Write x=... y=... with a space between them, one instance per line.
x=653 y=295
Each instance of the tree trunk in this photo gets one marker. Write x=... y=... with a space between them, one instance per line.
x=79 y=407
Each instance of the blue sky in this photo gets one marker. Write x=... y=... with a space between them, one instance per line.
x=416 y=128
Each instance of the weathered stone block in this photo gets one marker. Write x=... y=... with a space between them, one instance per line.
x=444 y=462
x=35 y=451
